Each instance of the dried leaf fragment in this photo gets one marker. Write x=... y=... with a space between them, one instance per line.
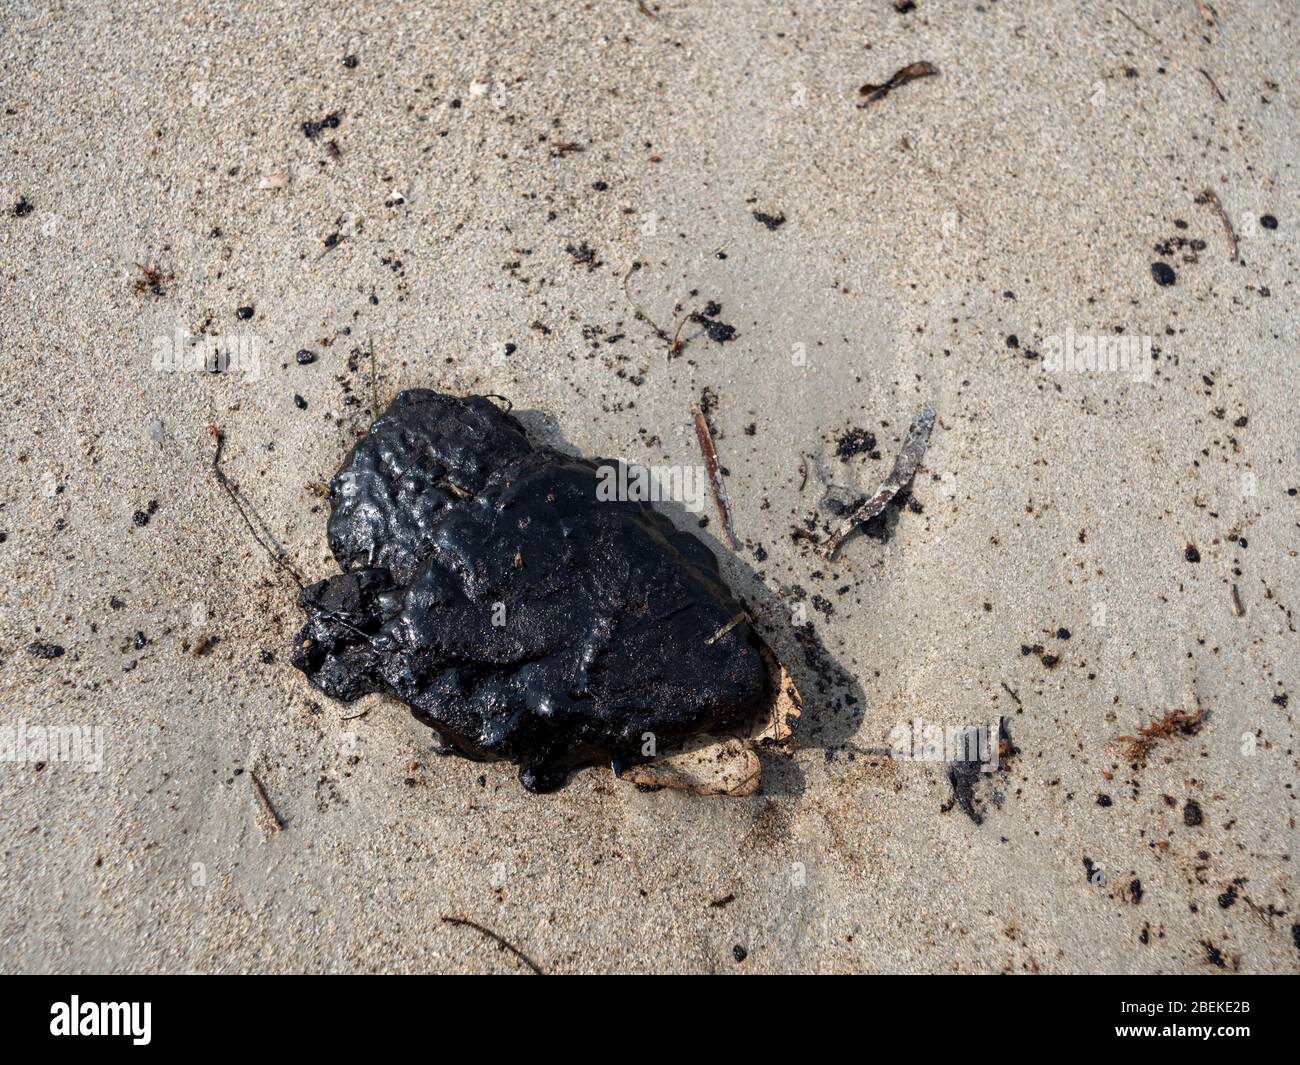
x=900 y=77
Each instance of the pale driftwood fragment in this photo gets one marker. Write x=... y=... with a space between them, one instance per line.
x=905 y=467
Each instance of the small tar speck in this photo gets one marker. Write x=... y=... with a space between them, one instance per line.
x=739 y=953
x=1163 y=273
x=312 y=130
x=854 y=442
x=305 y=357
x=22 y=208
x=1103 y=800
x=1192 y=815
x=299 y=402
x=1268 y=221
x=1191 y=553
x=772 y=221
x=139 y=640
x=40 y=649
x=244 y=313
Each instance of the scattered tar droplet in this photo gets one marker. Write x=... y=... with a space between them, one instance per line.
x=1191 y=553
x=350 y=61
x=244 y=313
x=739 y=953
x=41 y=649
x=312 y=130
x=1192 y=815
x=305 y=357
x=522 y=611
x=299 y=402
x=1163 y=273
x=772 y=221
x=1268 y=221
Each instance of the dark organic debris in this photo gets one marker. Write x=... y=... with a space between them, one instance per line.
x=716 y=330
x=311 y=129
x=855 y=441
x=965 y=773
x=1174 y=723
x=490 y=586
x=900 y=77
x=152 y=280
x=584 y=255
x=905 y=466
x=772 y=221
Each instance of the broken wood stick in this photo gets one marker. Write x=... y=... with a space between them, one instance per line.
x=705 y=436
x=905 y=466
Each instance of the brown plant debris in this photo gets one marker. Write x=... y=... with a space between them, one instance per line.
x=905 y=466
x=501 y=941
x=1174 y=723
x=705 y=436
x=152 y=281
x=900 y=77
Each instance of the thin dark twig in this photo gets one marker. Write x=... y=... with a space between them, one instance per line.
x=500 y=940
x=271 y=548
x=640 y=312
x=1137 y=26
x=1213 y=84
x=265 y=800
x=705 y=437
